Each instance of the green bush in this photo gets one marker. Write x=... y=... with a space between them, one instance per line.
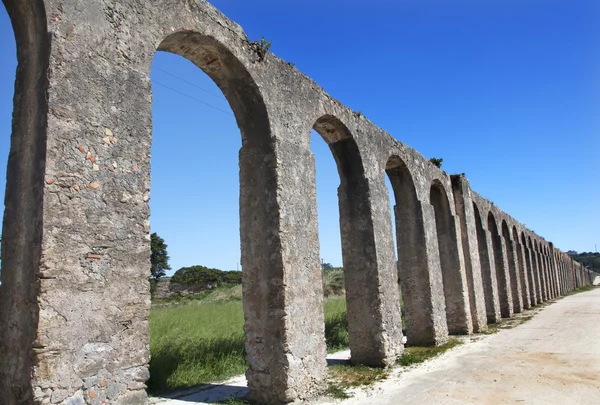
x=204 y=275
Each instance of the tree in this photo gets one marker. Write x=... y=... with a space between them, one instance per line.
x=206 y=276
x=590 y=260
x=326 y=266
x=159 y=258
x=437 y=161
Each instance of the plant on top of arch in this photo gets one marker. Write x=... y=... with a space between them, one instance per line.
x=261 y=48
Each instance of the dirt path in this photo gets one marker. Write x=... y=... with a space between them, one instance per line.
x=552 y=359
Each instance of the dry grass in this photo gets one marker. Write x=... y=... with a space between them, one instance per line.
x=345 y=376
x=419 y=354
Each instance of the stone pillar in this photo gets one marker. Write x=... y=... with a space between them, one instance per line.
x=488 y=269
x=566 y=275
x=559 y=272
x=531 y=275
x=513 y=268
x=572 y=274
x=418 y=260
x=536 y=269
x=546 y=274
x=458 y=314
x=522 y=273
x=503 y=264
x=283 y=297
x=24 y=208
x=549 y=275
x=543 y=282
x=464 y=210
x=373 y=303
x=420 y=275
x=502 y=273
x=563 y=276
x=556 y=272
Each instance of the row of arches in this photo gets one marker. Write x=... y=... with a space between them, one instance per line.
x=522 y=271
x=460 y=263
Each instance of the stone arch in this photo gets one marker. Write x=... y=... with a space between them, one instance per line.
x=423 y=309
x=22 y=226
x=359 y=253
x=232 y=77
x=502 y=271
x=458 y=315
x=522 y=269
x=344 y=149
x=488 y=270
x=530 y=270
x=263 y=272
x=513 y=266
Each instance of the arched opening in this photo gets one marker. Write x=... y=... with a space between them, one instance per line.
x=487 y=270
x=357 y=241
x=194 y=209
x=198 y=158
x=458 y=315
x=513 y=265
x=421 y=307
x=330 y=250
x=392 y=202
x=500 y=261
x=24 y=116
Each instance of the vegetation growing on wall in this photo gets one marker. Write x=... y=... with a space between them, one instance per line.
x=437 y=161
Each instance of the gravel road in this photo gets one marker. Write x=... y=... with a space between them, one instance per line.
x=553 y=358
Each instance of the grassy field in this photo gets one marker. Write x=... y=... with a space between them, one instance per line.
x=196 y=341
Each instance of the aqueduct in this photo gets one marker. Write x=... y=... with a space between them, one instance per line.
x=75 y=299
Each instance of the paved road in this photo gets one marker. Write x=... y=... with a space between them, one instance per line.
x=552 y=359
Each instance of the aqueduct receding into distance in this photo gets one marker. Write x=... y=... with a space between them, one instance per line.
x=75 y=297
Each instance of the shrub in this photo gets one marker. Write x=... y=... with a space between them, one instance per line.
x=204 y=275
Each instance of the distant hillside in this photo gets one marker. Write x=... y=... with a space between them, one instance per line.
x=588 y=259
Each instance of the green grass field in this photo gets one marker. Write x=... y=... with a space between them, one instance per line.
x=197 y=341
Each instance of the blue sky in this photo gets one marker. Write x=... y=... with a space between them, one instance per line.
x=507 y=92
